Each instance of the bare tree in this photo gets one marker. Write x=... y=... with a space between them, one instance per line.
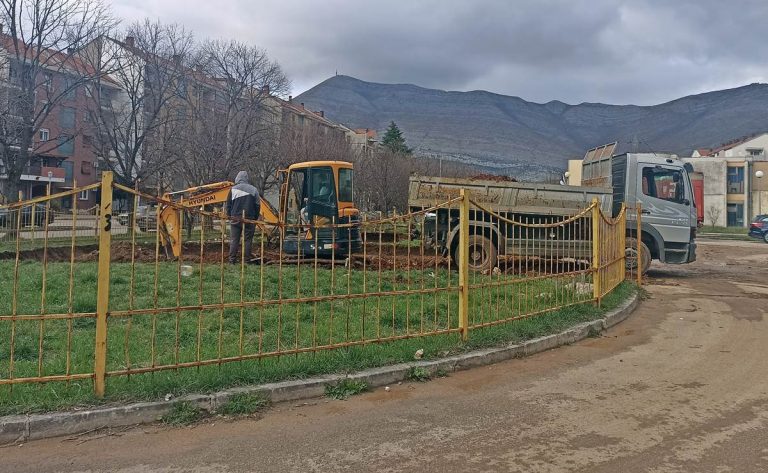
x=713 y=214
x=311 y=142
x=381 y=181
x=233 y=113
x=139 y=104
x=39 y=56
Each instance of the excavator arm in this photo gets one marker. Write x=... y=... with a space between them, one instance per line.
x=170 y=223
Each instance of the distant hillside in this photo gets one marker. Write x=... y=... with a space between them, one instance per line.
x=483 y=127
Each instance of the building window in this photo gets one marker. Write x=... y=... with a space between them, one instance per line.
x=67 y=118
x=664 y=184
x=66 y=145
x=181 y=88
x=735 y=180
x=14 y=74
x=87 y=141
x=83 y=195
x=48 y=81
x=69 y=170
x=755 y=151
x=735 y=215
x=86 y=167
x=105 y=96
x=44 y=134
x=71 y=89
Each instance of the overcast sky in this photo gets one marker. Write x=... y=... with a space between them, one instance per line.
x=642 y=52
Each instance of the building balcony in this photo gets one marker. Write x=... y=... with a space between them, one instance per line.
x=44 y=174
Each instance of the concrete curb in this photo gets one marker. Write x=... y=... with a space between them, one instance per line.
x=21 y=428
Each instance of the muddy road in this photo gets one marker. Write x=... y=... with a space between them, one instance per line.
x=682 y=386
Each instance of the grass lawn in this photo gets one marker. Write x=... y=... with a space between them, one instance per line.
x=733 y=230
x=177 y=336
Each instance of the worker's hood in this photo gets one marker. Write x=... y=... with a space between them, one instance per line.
x=242 y=178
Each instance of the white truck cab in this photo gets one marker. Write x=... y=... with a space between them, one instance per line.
x=662 y=186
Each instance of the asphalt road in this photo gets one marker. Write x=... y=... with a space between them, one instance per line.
x=682 y=386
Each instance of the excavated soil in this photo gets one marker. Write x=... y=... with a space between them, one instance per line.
x=386 y=257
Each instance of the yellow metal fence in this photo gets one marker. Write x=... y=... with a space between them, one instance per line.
x=97 y=303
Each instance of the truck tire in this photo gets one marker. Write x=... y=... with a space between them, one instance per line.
x=483 y=254
x=631 y=255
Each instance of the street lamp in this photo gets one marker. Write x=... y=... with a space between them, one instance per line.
x=759 y=175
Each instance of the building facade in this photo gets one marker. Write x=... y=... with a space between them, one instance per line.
x=733 y=192
x=62 y=151
x=735 y=180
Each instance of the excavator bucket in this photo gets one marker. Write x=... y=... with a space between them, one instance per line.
x=170 y=230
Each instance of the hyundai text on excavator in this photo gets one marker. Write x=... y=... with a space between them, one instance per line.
x=314 y=195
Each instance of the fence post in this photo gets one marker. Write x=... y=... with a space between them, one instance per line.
x=623 y=242
x=102 y=291
x=596 y=250
x=638 y=234
x=463 y=265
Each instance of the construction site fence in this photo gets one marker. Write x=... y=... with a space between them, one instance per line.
x=88 y=294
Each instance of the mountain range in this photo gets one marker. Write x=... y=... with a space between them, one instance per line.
x=501 y=131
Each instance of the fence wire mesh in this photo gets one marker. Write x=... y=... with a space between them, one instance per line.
x=203 y=308
x=527 y=264
x=47 y=297
x=94 y=293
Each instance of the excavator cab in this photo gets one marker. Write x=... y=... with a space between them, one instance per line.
x=313 y=195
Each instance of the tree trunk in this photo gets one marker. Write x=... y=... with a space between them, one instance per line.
x=11 y=188
x=11 y=225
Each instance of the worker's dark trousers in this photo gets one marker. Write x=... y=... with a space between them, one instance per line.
x=235 y=234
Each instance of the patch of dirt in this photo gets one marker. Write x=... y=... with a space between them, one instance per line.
x=492 y=177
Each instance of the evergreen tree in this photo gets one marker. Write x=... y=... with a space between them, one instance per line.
x=394 y=141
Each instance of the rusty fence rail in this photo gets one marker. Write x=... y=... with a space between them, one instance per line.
x=113 y=301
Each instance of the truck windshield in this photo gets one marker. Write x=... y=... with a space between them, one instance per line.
x=664 y=184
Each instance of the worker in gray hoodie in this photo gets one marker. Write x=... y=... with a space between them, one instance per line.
x=242 y=202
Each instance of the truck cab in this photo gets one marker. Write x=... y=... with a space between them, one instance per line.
x=661 y=185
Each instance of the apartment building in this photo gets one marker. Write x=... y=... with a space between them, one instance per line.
x=63 y=155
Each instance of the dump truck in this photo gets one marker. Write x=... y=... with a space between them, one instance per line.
x=490 y=237
x=660 y=184
x=314 y=195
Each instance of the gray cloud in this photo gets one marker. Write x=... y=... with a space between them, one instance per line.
x=643 y=51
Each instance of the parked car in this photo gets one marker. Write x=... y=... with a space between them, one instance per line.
x=759 y=228
x=146 y=218
x=7 y=216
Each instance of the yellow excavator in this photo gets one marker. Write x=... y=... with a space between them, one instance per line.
x=313 y=195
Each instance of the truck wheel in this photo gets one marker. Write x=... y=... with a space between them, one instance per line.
x=482 y=254
x=631 y=255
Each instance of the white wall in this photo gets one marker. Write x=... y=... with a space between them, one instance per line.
x=574 y=172
x=758 y=142
x=715 y=172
